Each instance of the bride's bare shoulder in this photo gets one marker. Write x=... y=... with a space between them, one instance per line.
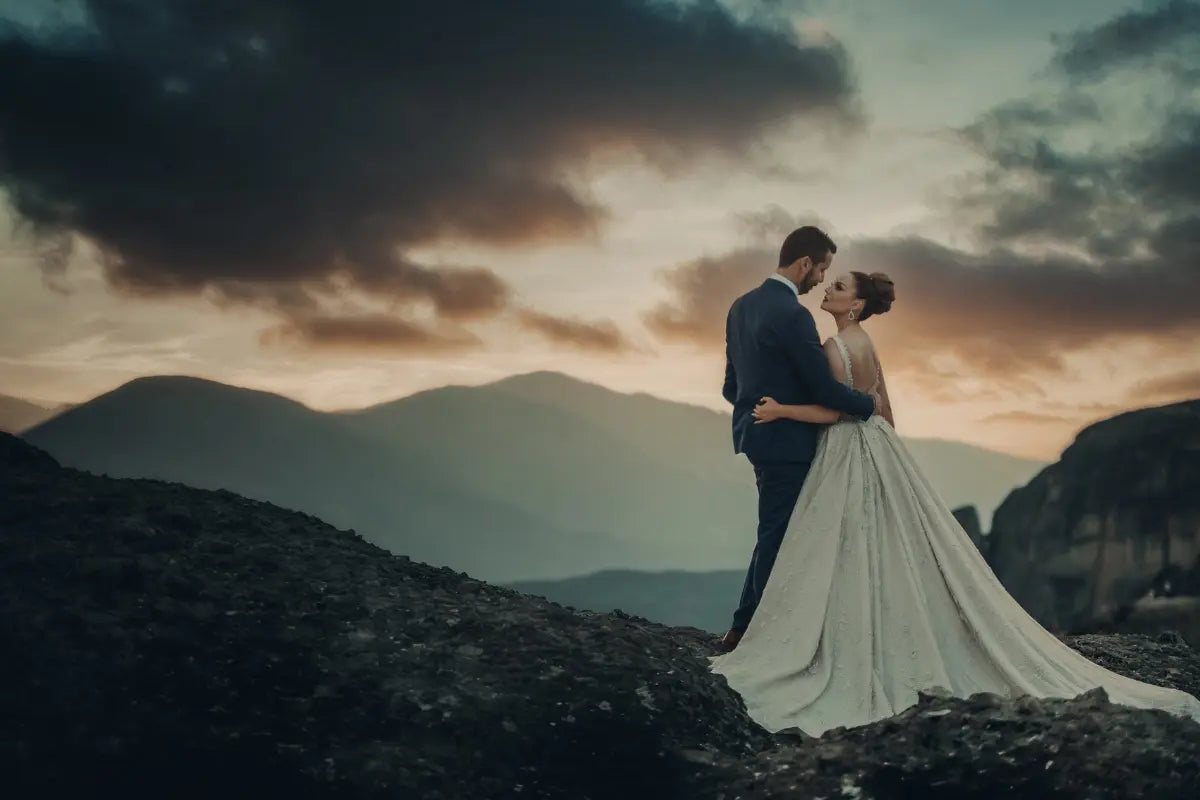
x=861 y=342
x=835 y=359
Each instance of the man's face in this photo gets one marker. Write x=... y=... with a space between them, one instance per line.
x=816 y=272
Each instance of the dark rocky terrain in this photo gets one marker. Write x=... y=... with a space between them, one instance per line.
x=163 y=641
x=1095 y=532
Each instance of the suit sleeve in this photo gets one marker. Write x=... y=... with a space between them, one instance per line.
x=729 y=388
x=802 y=345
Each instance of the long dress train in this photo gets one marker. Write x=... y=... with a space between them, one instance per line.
x=878 y=593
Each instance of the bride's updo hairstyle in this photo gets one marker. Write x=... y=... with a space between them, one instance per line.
x=876 y=291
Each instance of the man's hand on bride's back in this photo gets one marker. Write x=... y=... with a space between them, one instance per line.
x=767 y=410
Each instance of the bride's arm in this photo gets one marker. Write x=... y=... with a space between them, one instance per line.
x=768 y=410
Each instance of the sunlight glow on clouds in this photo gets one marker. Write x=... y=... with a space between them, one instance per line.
x=595 y=213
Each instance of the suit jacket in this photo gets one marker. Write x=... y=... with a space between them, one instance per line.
x=772 y=350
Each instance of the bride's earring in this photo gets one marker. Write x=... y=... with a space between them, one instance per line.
x=850 y=316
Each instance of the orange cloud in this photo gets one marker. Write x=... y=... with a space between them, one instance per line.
x=1168 y=388
x=366 y=332
x=704 y=288
x=600 y=335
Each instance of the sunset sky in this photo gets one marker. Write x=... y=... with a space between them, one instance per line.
x=346 y=202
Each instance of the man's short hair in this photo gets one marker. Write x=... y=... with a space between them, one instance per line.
x=808 y=241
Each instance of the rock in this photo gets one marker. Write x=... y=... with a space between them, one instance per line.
x=968 y=518
x=950 y=749
x=1177 y=618
x=18 y=457
x=1094 y=532
x=163 y=641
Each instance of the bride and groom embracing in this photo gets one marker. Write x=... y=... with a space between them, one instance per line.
x=863 y=589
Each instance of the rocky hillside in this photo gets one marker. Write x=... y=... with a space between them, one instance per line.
x=1090 y=534
x=163 y=641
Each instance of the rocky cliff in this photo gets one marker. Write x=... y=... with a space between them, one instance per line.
x=162 y=641
x=1096 y=531
x=968 y=518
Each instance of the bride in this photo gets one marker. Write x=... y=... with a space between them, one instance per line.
x=877 y=592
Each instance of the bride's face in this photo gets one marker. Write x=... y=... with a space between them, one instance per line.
x=842 y=296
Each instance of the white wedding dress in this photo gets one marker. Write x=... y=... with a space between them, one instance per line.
x=878 y=593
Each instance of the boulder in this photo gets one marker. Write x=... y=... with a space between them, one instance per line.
x=1093 y=533
x=968 y=518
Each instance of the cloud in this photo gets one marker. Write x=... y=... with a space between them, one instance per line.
x=1029 y=417
x=602 y=336
x=1165 y=31
x=771 y=225
x=284 y=153
x=1082 y=231
x=366 y=332
x=1108 y=172
x=1168 y=388
x=1108 y=206
x=1009 y=313
x=703 y=289
x=1000 y=313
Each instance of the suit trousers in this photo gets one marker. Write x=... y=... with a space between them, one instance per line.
x=779 y=485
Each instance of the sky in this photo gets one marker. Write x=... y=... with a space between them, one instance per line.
x=348 y=202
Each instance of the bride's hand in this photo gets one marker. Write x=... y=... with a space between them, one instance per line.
x=767 y=410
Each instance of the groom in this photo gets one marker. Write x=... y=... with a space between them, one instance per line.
x=772 y=349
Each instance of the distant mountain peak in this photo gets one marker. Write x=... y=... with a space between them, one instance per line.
x=196 y=386
x=180 y=380
x=18 y=414
x=548 y=379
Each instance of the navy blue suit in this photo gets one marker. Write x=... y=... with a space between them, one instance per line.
x=772 y=350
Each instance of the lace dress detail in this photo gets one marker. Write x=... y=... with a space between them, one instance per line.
x=849 y=366
x=877 y=593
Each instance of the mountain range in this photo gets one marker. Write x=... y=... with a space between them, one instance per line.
x=18 y=414
x=537 y=476
x=703 y=600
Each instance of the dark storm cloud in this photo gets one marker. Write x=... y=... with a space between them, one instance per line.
x=1165 y=31
x=201 y=143
x=1108 y=205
